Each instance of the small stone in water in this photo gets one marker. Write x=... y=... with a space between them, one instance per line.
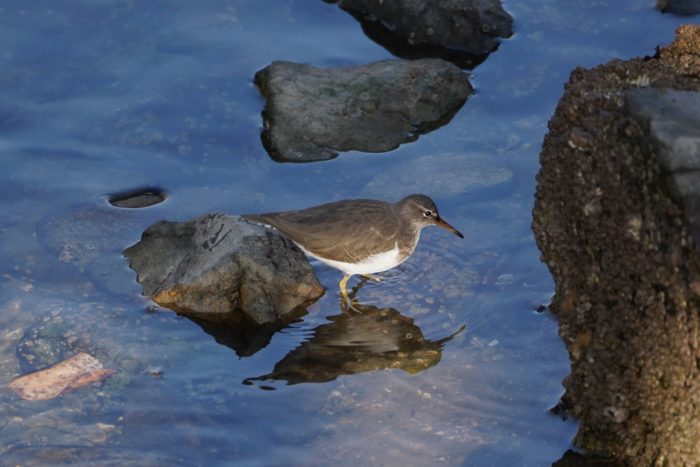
x=137 y=199
x=74 y=372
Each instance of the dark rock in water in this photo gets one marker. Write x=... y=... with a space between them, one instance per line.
x=137 y=199
x=219 y=267
x=373 y=339
x=461 y=31
x=679 y=7
x=614 y=217
x=312 y=113
x=672 y=119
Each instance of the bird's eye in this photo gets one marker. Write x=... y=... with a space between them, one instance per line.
x=427 y=213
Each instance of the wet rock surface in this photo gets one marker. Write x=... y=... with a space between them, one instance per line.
x=617 y=237
x=313 y=113
x=463 y=32
x=672 y=119
x=219 y=267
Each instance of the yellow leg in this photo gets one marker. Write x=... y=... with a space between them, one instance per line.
x=347 y=302
x=344 y=288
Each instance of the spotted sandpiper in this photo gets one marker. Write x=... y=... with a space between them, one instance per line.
x=358 y=236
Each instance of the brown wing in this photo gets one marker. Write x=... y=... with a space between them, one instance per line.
x=345 y=231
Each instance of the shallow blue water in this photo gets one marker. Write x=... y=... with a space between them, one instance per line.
x=98 y=97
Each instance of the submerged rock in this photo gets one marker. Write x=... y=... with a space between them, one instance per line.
x=51 y=330
x=61 y=329
x=94 y=452
x=461 y=31
x=312 y=113
x=219 y=267
x=373 y=339
x=88 y=233
x=91 y=239
x=441 y=175
x=616 y=220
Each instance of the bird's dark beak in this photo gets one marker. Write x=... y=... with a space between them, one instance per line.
x=441 y=223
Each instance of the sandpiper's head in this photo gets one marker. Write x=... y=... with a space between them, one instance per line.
x=421 y=211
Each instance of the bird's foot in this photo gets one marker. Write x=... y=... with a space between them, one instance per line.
x=350 y=305
x=347 y=300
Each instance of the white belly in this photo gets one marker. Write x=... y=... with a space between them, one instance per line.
x=375 y=263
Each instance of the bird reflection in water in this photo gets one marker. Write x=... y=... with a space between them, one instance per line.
x=354 y=342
